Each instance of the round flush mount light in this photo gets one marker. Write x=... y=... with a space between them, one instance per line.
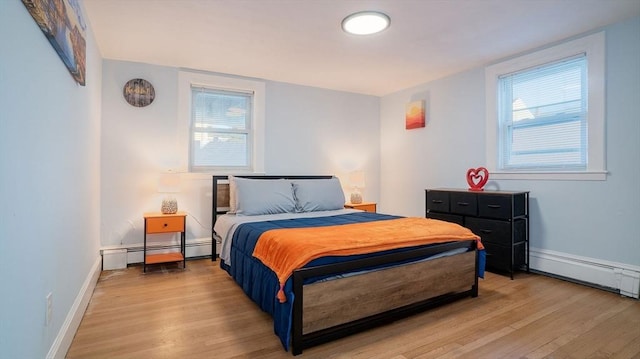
x=365 y=23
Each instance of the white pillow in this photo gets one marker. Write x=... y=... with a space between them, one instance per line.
x=318 y=195
x=258 y=196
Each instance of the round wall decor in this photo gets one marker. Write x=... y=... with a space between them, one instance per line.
x=139 y=92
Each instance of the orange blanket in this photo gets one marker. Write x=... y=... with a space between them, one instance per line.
x=284 y=250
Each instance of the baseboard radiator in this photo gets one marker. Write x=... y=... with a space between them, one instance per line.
x=118 y=257
x=617 y=277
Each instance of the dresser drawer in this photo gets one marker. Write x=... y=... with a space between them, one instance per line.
x=501 y=206
x=499 y=257
x=490 y=230
x=165 y=225
x=464 y=203
x=446 y=217
x=494 y=206
x=437 y=201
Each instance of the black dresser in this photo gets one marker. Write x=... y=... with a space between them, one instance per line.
x=500 y=218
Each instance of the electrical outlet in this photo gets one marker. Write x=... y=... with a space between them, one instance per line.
x=49 y=312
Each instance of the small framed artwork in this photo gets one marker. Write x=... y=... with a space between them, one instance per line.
x=62 y=24
x=415 y=115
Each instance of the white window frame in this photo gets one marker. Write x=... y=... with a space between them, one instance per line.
x=594 y=48
x=187 y=80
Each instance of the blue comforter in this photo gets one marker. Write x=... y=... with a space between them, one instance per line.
x=261 y=284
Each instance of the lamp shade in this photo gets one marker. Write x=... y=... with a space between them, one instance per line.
x=169 y=182
x=356 y=179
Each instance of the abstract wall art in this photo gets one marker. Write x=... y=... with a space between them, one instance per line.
x=62 y=24
x=415 y=115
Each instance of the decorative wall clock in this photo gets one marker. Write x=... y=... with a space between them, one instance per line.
x=139 y=92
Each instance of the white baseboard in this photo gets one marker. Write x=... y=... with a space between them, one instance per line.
x=619 y=277
x=71 y=323
x=197 y=247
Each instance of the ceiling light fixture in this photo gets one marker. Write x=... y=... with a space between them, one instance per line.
x=365 y=23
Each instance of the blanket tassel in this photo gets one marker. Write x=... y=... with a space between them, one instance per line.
x=281 y=297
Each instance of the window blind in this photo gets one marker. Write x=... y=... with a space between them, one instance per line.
x=542 y=115
x=220 y=129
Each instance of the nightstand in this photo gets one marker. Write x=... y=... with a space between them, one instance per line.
x=364 y=206
x=158 y=223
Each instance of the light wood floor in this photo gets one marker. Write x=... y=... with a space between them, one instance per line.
x=202 y=313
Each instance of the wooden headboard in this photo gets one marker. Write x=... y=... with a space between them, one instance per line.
x=221 y=194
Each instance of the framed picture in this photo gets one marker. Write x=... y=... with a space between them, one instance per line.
x=62 y=24
x=415 y=115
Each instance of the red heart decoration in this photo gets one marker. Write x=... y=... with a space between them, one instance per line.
x=477 y=178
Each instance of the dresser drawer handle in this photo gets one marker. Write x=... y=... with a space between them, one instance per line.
x=166 y=224
x=436 y=201
x=494 y=206
x=463 y=203
x=486 y=231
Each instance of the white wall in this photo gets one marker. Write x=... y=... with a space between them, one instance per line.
x=316 y=131
x=308 y=131
x=49 y=170
x=594 y=219
x=138 y=143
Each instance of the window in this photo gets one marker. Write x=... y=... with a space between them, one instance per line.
x=545 y=113
x=221 y=129
x=221 y=124
x=542 y=117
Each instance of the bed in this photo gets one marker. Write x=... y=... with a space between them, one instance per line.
x=330 y=294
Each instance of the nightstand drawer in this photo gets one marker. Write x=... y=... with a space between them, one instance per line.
x=367 y=207
x=438 y=201
x=364 y=206
x=464 y=203
x=490 y=230
x=165 y=224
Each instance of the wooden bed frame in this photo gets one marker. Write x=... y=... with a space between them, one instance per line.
x=328 y=310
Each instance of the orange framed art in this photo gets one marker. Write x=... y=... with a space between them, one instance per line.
x=415 y=115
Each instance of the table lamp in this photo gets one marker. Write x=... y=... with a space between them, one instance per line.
x=168 y=183
x=356 y=181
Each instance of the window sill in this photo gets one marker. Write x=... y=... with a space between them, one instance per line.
x=550 y=175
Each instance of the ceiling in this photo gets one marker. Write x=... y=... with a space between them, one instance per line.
x=301 y=41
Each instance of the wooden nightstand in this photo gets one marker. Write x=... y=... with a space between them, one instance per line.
x=156 y=223
x=364 y=206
